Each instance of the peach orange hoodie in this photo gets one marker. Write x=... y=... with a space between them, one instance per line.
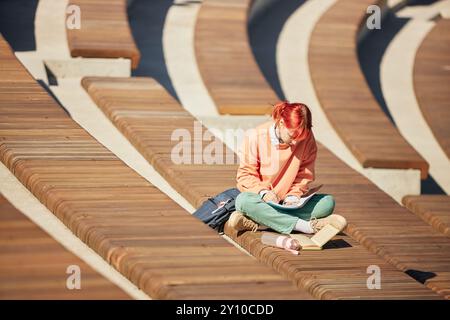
x=265 y=164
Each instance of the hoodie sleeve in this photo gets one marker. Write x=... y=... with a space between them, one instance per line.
x=306 y=172
x=248 y=175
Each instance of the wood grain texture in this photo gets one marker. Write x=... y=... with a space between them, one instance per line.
x=143 y=233
x=104 y=33
x=434 y=209
x=33 y=265
x=225 y=59
x=145 y=113
x=432 y=82
x=345 y=96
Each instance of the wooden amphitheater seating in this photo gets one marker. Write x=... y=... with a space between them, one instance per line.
x=432 y=79
x=33 y=265
x=434 y=209
x=345 y=96
x=145 y=113
x=104 y=32
x=144 y=234
x=222 y=50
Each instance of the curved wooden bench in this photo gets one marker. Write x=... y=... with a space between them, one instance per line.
x=222 y=50
x=434 y=209
x=144 y=234
x=104 y=32
x=148 y=116
x=432 y=79
x=345 y=96
x=33 y=265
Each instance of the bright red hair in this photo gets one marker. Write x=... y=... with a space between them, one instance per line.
x=296 y=116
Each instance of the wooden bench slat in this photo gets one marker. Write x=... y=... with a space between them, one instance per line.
x=222 y=50
x=434 y=209
x=432 y=79
x=345 y=96
x=104 y=32
x=33 y=265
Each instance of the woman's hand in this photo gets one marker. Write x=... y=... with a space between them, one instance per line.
x=291 y=200
x=271 y=196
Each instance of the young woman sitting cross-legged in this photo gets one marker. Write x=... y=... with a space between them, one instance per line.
x=277 y=164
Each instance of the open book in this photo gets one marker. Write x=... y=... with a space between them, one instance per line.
x=323 y=236
x=303 y=200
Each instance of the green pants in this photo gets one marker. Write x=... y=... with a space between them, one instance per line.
x=283 y=221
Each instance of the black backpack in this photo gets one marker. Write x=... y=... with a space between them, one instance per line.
x=216 y=210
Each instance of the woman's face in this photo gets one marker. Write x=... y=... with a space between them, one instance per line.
x=286 y=134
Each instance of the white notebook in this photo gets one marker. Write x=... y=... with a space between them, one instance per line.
x=303 y=200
